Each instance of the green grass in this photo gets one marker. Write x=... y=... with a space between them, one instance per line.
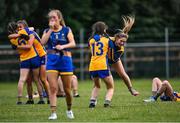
x=124 y=106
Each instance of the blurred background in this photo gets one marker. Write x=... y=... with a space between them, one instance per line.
x=153 y=47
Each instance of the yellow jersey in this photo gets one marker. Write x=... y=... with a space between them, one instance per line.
x=99 y=46
x=37 y=41
x=24 y=54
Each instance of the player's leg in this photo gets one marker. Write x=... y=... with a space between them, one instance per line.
x=52 y=79
x=60 y=92
x=44 y=81
x=95 y=92
x=23 y=77
x=156 y=84
x=30 y=89
x=165 y=88
x=110 y=90
x=74 y=83
x=36 y=78
x=66 y=79
x=118 y=66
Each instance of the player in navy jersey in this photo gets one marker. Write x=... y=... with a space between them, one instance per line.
x=114 y=55
x=59 y=39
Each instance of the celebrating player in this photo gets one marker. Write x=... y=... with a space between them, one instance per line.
x=28 y=57
x=99 y=44
x=164 y=90
x=22 y=24
x=59 y=40
x=114 y=54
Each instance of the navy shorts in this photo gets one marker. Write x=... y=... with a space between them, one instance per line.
x=43 y=60
x=61 y=64
x=100 y=73
x=32 y=63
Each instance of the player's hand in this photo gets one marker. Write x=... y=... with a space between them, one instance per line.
x=51 y=24
x=59 y=47
x=23 y=36
x=14 y=47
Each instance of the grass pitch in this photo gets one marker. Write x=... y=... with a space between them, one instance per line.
x=125 y=108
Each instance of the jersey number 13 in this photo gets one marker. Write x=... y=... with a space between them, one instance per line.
x=99 y=50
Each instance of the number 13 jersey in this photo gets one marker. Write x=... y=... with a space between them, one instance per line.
x=99 y=46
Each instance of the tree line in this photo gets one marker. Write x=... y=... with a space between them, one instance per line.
x=151 y=15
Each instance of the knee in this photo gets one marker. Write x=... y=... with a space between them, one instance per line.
x=74 y=77
x=155 y=79
x=97 y=86
x=110 y=86
x=22 y=80
x=67 y=91
x=53 y=89
x=165 y=82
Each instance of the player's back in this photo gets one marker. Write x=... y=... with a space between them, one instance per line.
x=37 y=41
x=38 y=46
x=24 y=54
x=99 y=46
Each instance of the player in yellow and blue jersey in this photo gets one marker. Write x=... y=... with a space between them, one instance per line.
x=115 y=53
x=29 y=59
x=164 y=90
x=24 y=29
x=59 y=40
x=99 y=43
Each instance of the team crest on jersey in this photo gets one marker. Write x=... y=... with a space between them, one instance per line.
x=56 y=36
x=63 y=36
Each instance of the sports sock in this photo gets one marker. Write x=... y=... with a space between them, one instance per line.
x=19 y=98
x=53 y=109
x=156 y=96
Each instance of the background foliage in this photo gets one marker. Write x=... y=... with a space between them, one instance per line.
x=150 y=15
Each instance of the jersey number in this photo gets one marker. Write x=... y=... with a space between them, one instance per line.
x=20 y=42
x=100 y=49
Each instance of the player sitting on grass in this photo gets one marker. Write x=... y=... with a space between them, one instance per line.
x=164 y=90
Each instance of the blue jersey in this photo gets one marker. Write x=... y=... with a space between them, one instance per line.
x=59 y=37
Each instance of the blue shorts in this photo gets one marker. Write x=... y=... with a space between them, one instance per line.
x=100 y=73
x=165 y=98
x=43 y=60
x=61 y=64
x=32 y=63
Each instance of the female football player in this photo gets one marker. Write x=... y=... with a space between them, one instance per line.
x=99 y=44
x=22 y=24
x=59 y=40
x=29 y=58
x=115 y=53
x=164 y=90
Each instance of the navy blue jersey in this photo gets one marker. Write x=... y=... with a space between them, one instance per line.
x=59 y=37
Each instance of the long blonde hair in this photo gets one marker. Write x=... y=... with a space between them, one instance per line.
x=128 y=22
x=60 y=16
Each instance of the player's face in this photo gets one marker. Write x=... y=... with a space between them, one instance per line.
x=54 y=17
x=20 y=26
